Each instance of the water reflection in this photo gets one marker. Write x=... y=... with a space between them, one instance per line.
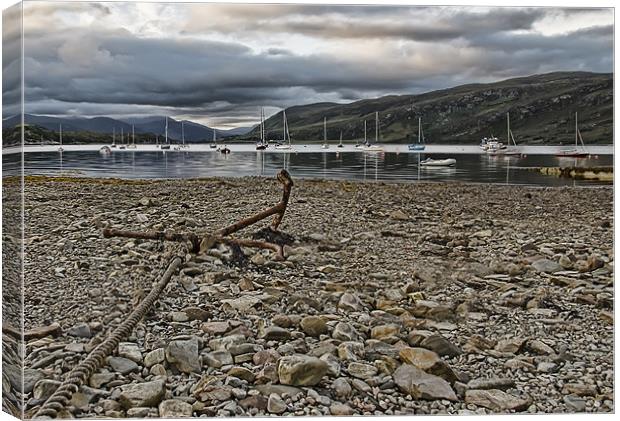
x=368 y=166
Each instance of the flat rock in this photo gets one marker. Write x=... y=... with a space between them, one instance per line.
x=130 y=351
x=350 y=302
x=275 y=404
x=421 y=385
x=175 y=408
x=441 y=345
x=122 y=365
x=546 y=265
x=340 y=409
x=301 y=370
x=183 y=354
x=496 y=400
x=313 y=325
x=156 y=356
x=148 y=394
x=215 y=328
x=345 y=332
x=53 y=329
x=196 y=313
x=492 y=383
x=362 y=371
x=275 y=333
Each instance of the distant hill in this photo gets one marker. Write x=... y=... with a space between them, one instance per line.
x=155 y=125
x=541 y=110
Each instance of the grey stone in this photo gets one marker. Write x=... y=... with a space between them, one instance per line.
x=496 y=400
x=175 y=408
x=122 y=365
x=301 y=370
x=183 y=354
x=148 y=394
x=345 y=332
x=156 y=356
x=421 y=385
x=275 y=404
x=130 y=351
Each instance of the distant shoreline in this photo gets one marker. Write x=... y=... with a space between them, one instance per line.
x=314 y=148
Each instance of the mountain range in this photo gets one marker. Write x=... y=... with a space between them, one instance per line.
x=542 y=111
x=154 y=125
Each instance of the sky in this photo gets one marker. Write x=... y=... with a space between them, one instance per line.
x=217 y=64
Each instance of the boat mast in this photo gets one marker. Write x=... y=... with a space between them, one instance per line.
x=166 y=129
x=183 y=133
x=284 y=126
x=376 y=126
x=365 y=141
x=576 y=129
x=61 y=135
x=325 y=129
x=419 y=129
x=508 y=128
x=133 y=135
x=262 y=127
x=121 y=135
x=113 y=135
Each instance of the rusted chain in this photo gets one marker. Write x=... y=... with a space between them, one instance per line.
x=156 y=235
x=95 y=360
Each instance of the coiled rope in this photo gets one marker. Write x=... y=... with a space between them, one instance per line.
x=82 y=372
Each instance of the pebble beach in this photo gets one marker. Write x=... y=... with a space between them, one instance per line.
x=429 y=298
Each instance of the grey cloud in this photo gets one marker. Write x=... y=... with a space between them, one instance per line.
x=110 y=71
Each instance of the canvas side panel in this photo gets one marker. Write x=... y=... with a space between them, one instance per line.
x=13 y=386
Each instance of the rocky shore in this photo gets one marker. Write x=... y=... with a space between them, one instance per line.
x=394 y=299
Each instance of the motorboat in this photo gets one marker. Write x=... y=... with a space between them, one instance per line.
x=105 y=150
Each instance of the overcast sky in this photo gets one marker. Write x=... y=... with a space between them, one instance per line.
x=218 y=64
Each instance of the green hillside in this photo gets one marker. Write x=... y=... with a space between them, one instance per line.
x=541 y=110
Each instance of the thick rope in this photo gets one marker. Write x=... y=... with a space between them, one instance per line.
x=95 y=360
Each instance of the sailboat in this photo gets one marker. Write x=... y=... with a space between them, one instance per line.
x=113 y=145
x=340 y=145
x=262 y=145
x=133 y=139
x=325 y=145
x=373 y=148
x=511 y=149
x=165 y=145
x=575 y=152
x=286 y=133
x=121 y=145
x=60 y=149
x=183 y=135
x=418 y=146
x=214 y=144
x=361 y=145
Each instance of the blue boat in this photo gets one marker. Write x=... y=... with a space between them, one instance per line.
x=419 y=146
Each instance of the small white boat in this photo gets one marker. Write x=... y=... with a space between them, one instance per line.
x=372 y=148
x=105 y=150
x=448 y=162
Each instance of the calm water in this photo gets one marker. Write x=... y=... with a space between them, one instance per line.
x=352 y=165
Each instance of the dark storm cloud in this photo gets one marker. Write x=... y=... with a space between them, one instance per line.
x=101 y=70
